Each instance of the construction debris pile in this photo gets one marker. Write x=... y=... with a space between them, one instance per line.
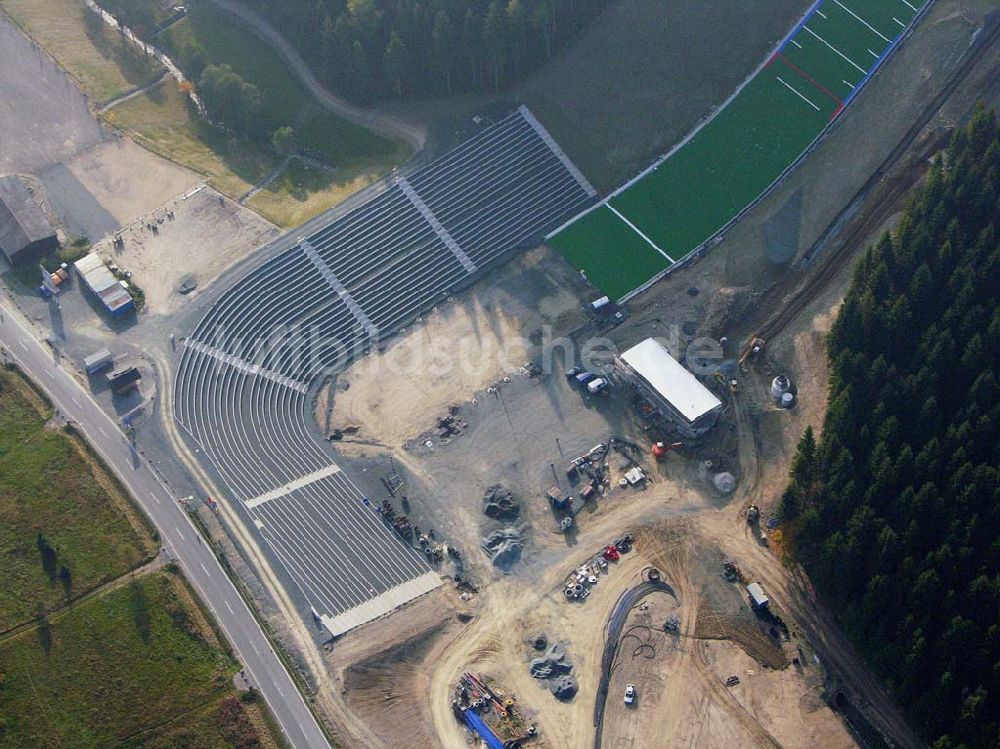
x=426 y=541
x=491 y=713
x=504 y=546
x=591 y=472
x=499 y=503
x=578 y=584
x=555 y=668
x=451 y=425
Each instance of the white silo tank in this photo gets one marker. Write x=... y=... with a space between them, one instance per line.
x=780 y=385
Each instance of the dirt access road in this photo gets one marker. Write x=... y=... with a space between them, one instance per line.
x=382 y=124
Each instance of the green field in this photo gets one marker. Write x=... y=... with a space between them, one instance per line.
x=691 y=195
x=137 y=659
x=217 y=38
x=50 y=485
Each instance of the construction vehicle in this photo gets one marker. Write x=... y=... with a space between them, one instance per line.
x=751 y=350
x=733 y=384
x=660 y=449
x=731 y=571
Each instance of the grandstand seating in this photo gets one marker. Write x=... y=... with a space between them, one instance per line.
x=244 y=386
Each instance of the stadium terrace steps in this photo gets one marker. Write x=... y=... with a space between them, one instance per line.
x=320 y=304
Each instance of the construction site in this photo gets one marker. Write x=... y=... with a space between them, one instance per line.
x=472 y=500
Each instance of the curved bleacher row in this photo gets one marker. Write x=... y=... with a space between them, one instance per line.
x=244 y=386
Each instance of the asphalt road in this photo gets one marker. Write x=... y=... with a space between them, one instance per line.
x=177 y=533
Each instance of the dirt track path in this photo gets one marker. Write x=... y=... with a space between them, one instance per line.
x=790 y=588
x=383 y=124
x=158 y=562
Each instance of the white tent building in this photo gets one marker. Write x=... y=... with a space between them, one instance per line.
x=670 y=388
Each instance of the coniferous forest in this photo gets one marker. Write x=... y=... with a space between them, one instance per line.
x=379 y=49
x=895 y=512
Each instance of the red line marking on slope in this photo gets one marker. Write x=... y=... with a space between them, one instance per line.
x=803 y=74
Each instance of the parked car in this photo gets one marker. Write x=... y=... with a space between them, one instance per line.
x=584 y=377
x=597 y=386
x=629 y=694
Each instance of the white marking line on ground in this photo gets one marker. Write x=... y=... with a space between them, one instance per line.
x=849 y=85
x=157 y=499
x=637 y=231
x=229 y=607
x=202 y=565
x=909 y=6
x=179 y=533
x=837 y=51
x=103 y=433
x=291 y=486
x=443 y=234
x=899 y=22
x=245 y=366
x=75 y=402
x=795 y=43
x=21 y=344
x=873 y=54
x=820 y=14
x=557 y=151
x=790 y=88
x=254 y=646
x=345 y=296
x=872 y=28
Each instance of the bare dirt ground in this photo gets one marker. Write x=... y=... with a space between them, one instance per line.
x=111 y=185
x=454 y=351
x=176 y=251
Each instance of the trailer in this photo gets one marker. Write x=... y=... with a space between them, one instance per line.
x=98 y=361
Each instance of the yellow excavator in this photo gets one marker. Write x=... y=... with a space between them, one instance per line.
x=751 y=350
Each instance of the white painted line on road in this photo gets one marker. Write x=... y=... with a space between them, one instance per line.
x=254 y=646
x=821 y=15
x=101 y=430
x=276 y=686
x=229 y=607
x=75 y=402
x=202 y=564
x=179 y=533
x=909 y=6
x=21 y=344
x=155 y=497
x=899 y=22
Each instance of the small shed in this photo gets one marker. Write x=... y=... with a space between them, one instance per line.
x=25 y=232
x=125 y=380
x=758 y=600
x=111 y=292
x=98 y=361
